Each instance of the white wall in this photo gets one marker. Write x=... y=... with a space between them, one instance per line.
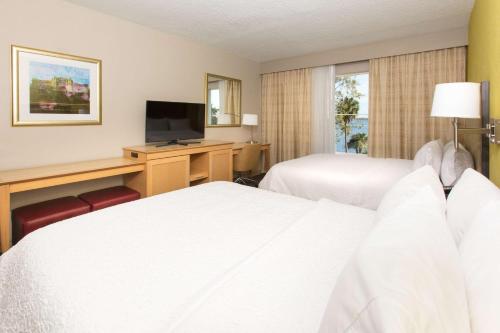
x=138 y=64
x=420 y=43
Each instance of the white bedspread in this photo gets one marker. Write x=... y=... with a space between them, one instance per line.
x=286 y=286
x=151 y=265
x=352 y=179
x=136 y=267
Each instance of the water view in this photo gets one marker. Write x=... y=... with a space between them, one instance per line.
x=358 y=125
x=351 y=108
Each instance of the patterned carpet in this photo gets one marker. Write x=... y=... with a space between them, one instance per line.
x=256 y=180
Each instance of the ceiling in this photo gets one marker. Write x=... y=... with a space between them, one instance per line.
x=264 y=30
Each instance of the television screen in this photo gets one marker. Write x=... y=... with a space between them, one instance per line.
x=168 y=121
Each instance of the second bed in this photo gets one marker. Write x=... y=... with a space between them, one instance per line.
x=351 y=179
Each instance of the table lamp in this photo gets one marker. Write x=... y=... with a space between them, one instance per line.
x=250 y=120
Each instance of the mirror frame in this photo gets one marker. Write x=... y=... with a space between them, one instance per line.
x=206 y=100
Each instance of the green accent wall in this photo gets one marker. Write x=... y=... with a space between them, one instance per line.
x=483 y=62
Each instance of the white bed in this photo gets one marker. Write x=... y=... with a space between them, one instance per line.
x=178 y=262
x=352 y=179
x=225 y=258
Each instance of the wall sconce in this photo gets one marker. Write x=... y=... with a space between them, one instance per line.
x=465 y=100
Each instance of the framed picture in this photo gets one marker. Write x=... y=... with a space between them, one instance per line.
x=50 y=88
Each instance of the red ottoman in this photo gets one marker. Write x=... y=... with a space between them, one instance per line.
x=29 y=218
x=109 y=197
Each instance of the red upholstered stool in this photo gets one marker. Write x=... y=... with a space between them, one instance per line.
x=109 y=197
x=29 y=218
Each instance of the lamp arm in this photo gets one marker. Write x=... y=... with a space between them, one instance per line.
x=490 y=130
x=455 y=132
x=474 y=130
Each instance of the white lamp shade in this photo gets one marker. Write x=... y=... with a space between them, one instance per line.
x=457 y=100
x=250 y=119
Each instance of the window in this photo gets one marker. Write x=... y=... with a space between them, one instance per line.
x=351 y=106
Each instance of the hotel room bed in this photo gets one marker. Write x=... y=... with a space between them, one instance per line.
x=347 y=178
x=172 y=262
x=225 y=258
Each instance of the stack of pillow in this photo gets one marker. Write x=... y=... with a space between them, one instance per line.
x=447 y=161
x=473 y=214
x=454 y=163
x=428 y=265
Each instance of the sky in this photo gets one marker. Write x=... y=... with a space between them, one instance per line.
x=45 y=71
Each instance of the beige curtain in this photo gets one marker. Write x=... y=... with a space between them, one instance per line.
x=400 y=101
x=233 y=100
x=286 y=113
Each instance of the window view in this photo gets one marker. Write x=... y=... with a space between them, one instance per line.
x=351 y=98
x=214 y=103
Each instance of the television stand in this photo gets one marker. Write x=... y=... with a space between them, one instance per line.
x=176 y=142
x=170 y=143
x=172 y=167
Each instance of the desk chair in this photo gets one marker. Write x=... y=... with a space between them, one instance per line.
x=246 y=161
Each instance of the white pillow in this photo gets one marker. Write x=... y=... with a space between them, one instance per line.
x=454 y=163
x=431 y=154
x=480 y=251
x=450 y=144
x=407 y=186
x=472 y=192
x=405 y=276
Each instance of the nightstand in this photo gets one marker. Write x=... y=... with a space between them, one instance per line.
x=447 y=190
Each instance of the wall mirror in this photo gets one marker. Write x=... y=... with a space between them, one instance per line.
x=222 y=101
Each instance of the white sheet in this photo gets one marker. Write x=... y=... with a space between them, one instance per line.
x=352 y=179
x=140 y=266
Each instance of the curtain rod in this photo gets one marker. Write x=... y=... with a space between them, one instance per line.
x=363 y=60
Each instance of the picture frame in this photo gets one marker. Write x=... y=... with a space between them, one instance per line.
x=54 y=89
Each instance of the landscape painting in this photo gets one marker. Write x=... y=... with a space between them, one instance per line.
x=50 y=88
x=59 y=89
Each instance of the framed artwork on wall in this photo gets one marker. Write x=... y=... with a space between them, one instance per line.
x=50 y=88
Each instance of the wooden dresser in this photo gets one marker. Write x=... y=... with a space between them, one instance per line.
x=174 y=167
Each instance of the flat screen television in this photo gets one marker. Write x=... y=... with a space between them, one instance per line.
x=170 y=122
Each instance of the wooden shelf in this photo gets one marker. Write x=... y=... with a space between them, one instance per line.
x=60 y=174
x=67 y=169
x=198 y=176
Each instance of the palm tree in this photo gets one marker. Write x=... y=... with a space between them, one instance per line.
x=347 y=109
x=213 y=114
x=359 y=142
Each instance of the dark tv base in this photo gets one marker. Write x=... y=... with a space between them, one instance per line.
x=176 y=142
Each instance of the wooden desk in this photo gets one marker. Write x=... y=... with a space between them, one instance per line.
x=170 y=168
x=265 y=149
x=148 y=152
x=13 y=181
